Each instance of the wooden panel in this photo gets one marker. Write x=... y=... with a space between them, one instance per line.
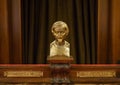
x=4 y=33
x=102 y=31
x=10 y=31
x=101 y=73
x=15 y=31
x=43 y=68
x=115 y=30
x=108 y=31
x=95 y=73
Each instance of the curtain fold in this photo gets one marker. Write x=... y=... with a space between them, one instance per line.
x=38 y=17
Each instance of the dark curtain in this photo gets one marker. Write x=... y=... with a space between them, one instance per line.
x=38 y=17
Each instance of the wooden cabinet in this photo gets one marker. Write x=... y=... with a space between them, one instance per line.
x=41 y=73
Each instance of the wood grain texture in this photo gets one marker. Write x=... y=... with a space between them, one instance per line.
x=115 y=30
x=4 y=33
x=102 y=48
x=10 y=31
x=15 y=31
x=108 y=31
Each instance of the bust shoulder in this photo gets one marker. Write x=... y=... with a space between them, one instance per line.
x=67 y=44
x=52 y=43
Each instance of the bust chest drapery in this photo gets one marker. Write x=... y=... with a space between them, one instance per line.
x=59 y=49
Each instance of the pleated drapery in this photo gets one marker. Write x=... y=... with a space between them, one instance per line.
x=38 y=17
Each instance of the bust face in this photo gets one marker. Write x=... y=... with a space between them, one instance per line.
x=59 y=33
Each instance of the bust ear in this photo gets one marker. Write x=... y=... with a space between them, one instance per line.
x=52 y=30
x=67 y=31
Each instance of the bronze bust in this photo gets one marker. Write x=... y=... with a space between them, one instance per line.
x=59 y=46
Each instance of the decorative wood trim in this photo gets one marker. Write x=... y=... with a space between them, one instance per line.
x=103 y=73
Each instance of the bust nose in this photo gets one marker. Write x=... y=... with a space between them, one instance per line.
x=59 y=33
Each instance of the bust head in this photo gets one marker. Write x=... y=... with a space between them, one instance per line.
x=60 y=30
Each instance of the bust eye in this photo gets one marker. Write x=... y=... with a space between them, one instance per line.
x=56 y=32
x=62 y=31
x=59 y=32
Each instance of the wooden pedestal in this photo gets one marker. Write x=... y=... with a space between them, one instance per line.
x=60 y=68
